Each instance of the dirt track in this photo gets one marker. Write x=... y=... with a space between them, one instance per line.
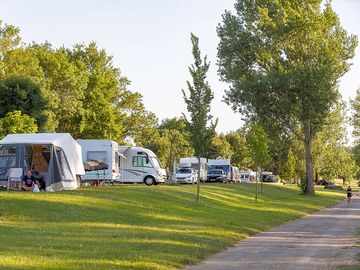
x=323 y=240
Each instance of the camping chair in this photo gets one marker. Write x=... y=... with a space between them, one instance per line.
x=14 y=179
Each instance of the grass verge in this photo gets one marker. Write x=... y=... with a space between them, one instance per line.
x=139 y=227
x=357 y=265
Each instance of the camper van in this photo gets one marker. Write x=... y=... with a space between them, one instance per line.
x=141 y=165
x=193 y=162
x=55 y=159
x=221 y=164
x=105 y=152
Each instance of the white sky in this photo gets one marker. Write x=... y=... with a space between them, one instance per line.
x=150 y=42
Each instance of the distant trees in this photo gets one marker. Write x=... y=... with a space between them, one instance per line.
x=78 y=90
x=283 y=60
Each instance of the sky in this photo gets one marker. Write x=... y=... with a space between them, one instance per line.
x=150 y=42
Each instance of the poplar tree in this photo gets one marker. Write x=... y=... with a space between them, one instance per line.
x=200 y=124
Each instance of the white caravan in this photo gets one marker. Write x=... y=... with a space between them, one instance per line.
x=221 y=164
x=247 y=176
x=105 y=151
x=141 y=165
x=193 y=162
x=55 y=158
x=185 y=174
x=235 y=174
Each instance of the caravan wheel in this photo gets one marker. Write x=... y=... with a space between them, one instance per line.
x=149 y=180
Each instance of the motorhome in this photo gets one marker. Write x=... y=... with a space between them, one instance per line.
x=141 y=165
x=185 y=174
x=194 y=164
x=103 y=151
x=55 y=159
x=221 y=164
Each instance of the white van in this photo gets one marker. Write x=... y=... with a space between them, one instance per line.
x=193 y=162
x=185 y=174
x=106 y=151
x=141 y=165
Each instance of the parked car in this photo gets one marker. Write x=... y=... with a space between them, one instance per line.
x=216 y=175
x=325 y=182
x=269 y=178
x=186 y=175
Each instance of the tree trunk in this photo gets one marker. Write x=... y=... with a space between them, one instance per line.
x=309 y=166
x=198 y=182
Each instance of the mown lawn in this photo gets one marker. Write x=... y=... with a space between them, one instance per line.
x=139 y=227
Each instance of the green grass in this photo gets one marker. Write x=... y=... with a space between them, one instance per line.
x=139 y=227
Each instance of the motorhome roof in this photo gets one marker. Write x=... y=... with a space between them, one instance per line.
x=219 y=162
x=192 y=160
x=134 y=149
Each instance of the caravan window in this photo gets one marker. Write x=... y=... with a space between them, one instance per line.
x=96 y=155
x=7 y=157
x=141 y=161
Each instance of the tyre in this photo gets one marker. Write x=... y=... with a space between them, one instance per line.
x=149 y=180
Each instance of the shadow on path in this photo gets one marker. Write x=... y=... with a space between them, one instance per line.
x=323 y=240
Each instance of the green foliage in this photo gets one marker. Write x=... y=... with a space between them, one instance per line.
x=289 y=168
x=242 y=155
x=101 y=117
x=138 y=121
x=15 y=122
x=259 y=143
x=219 y=147
x=19 y=93
x=85 y=94
x=9 y=38
x=168 y=142
x=174 y=123
x=157 y=228
x=283 y=60
x=332 y=159
x=198 y=103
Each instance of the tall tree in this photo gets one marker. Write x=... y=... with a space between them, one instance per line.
x=283 y=60
x=101 y=118
x=198 y=106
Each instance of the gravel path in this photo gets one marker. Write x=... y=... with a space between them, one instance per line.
x=323 y=240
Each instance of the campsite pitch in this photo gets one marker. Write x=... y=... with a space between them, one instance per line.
x=139 y=227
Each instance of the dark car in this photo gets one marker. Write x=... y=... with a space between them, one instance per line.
x=269 y=178
x=325 y=182
x=216 y=176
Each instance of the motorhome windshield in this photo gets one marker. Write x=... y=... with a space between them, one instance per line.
x=155 y=162
x=184 y=170
x=216 y=172
x=225 y=168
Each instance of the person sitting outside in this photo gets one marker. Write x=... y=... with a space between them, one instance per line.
x=28 y=181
